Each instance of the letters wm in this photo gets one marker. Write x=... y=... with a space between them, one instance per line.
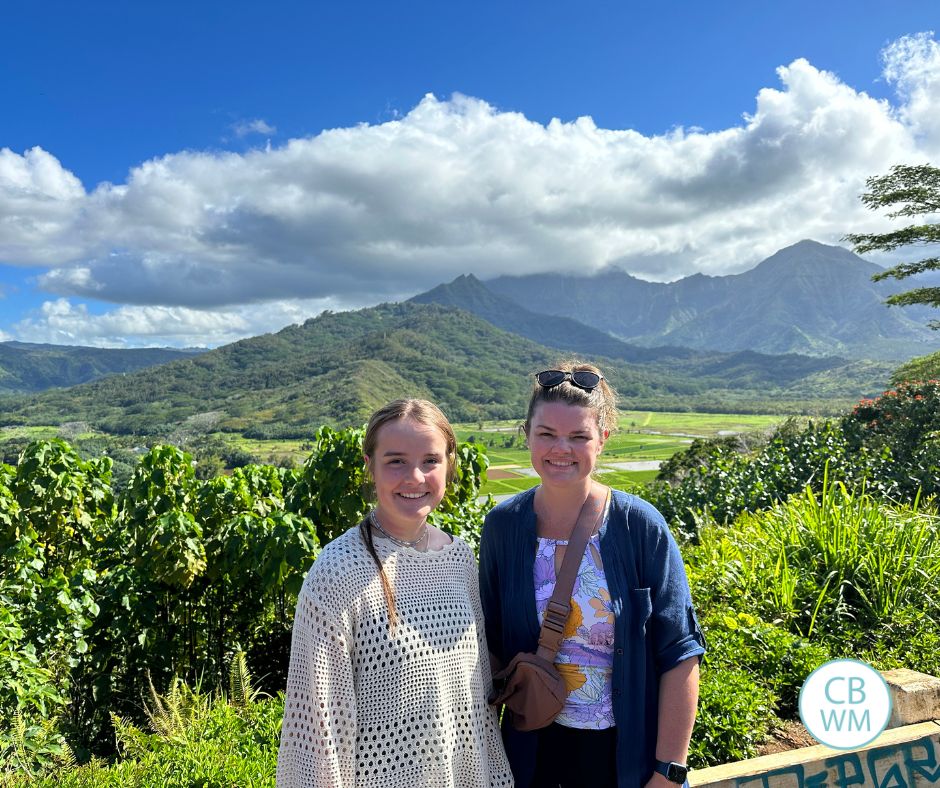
x=845 y=704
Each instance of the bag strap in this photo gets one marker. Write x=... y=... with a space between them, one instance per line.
x=559 y=606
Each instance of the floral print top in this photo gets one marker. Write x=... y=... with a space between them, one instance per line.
x=586 y=657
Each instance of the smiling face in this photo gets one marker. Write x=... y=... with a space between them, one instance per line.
x=409 y=468
x=564 y=443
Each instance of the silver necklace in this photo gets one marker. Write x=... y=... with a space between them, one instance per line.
x=400 y=542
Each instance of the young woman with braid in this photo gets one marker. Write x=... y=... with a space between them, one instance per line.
x=389 y=670
x=631 y=644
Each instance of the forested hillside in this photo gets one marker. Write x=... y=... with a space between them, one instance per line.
x=337 y=368
x=27 y=367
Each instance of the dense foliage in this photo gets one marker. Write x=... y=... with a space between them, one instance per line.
x=839 y=573
x=890 y=443
x=819 y=539
x=190 y=738
x=903 y=424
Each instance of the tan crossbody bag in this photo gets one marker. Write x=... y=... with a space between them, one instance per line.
x=530 y=686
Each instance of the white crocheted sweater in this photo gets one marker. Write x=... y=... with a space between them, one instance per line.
x=367 y=707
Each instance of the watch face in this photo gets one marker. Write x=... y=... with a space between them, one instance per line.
x=676 y=773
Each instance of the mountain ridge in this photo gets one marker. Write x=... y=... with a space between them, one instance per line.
x=27 y=367
x=473 y=348
x=808 y=298
x=337 y=367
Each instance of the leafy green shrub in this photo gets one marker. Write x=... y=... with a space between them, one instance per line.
x=905 y=422
x=192 y=572
x=55 y=510
x=840 y=573
x=910 y=639
x=332 y=488
x=752 y=673
x=892 y=443
x=735 y=714
x=772 y=656
x=718 y=479
x=194 y=739
x=32 y=748
x=27 y=684
x=841 y=560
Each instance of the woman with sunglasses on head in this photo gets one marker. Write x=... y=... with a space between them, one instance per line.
x=389 y=672
x=630 y=645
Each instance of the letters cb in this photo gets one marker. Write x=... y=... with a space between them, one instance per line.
x=845 y=704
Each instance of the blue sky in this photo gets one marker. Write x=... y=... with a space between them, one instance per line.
x=187 y=174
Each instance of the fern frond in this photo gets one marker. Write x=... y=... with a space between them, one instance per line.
x=33 y=748
x=167 y=714
x=129 y=739
x=241 y=691
x=162 y=714
x=57 y=746
x=173 y=716
x=19 y=739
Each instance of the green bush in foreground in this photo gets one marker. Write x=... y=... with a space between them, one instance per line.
x=196 y=740
x=750 y=679
x=224 y=747
x=735 y=714
x=725 y=477
x=891 y=443
x=839 y=573
x=904 y=423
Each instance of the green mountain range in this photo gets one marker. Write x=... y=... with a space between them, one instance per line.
x=808 y=298
x=338 y=367
x=747 y=369
x=28 y=367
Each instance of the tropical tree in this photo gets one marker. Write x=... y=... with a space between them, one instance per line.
x=914 y=191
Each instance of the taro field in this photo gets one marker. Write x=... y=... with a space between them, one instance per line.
x=632 y=454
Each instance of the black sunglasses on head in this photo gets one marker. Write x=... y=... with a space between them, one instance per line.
x=583 y=379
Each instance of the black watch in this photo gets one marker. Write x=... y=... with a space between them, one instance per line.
x=672 y=771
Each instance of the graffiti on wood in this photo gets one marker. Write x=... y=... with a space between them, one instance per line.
x=913 y=764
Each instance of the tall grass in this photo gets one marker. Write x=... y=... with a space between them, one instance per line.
x=836 y=560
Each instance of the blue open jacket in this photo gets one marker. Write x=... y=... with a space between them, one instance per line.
x=655 y=626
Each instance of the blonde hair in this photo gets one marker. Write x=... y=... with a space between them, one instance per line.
x=602 y=400
x=423 y=412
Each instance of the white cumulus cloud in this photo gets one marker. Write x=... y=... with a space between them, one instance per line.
x=912 y=63
x=40 y=204
x=377 y=212
x=61 y=322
